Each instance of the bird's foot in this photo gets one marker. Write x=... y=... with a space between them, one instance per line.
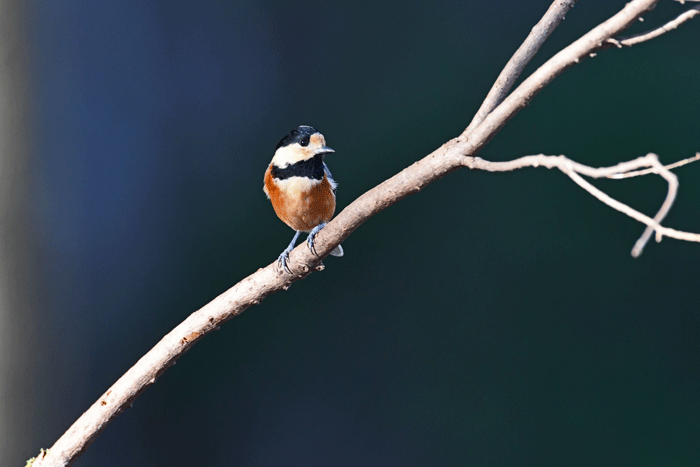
x=312 y=234
x=283 y=261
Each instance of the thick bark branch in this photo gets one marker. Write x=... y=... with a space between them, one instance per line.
x=254 y=288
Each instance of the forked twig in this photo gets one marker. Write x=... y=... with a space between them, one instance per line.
x=527 y=50
x=574 y=170
x=637 y=173
x=654 y=33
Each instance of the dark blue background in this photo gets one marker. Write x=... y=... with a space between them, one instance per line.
x=492 y=319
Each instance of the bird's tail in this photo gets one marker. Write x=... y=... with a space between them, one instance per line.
x=338 y=251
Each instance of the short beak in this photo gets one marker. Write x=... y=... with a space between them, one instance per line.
x=324 y=150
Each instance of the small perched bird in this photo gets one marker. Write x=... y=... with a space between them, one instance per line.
x=300 y=186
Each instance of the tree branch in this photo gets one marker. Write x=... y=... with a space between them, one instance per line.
x=629 y=41
x=623 y=170
x=451 y=156
x=651 y=170
x=505 y=81
x=571 y=55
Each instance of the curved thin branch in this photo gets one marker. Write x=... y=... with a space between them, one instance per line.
x=574 y=170
x=654 y=33
x=637 y=173
x=254 y=288
x=505 y=81
x=571 y=55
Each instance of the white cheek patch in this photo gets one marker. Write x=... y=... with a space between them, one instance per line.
x=294 y=185
x=289 y=155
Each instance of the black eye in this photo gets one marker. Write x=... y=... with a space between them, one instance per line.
x=304 y=141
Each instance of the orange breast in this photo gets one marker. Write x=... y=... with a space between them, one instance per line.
x=300 y=204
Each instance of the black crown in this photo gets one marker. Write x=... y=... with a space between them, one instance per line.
x=296 y=135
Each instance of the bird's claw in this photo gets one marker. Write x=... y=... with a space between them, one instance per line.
x=283 y=262
x=310 y=242
x=312 y=234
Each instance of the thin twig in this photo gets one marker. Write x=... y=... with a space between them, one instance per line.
x=505 y=81
x=254 y=288
x=571 y=55
x=574 y=170
x=629 y=41
x=637 y=173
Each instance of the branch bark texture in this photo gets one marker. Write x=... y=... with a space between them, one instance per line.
x=505 y=81
x=451 y=156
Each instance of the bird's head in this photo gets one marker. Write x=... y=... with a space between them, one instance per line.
x=302 y=143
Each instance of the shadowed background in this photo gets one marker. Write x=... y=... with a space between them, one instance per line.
x=491 y=319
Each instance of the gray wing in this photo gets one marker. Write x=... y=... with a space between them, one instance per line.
x=329 y=176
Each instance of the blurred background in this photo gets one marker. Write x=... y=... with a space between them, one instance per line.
x=491 y=319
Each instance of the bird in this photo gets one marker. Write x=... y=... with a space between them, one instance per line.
x=300 y=187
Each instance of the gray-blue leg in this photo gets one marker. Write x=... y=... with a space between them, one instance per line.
x=312 y=234
x=284 y=257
